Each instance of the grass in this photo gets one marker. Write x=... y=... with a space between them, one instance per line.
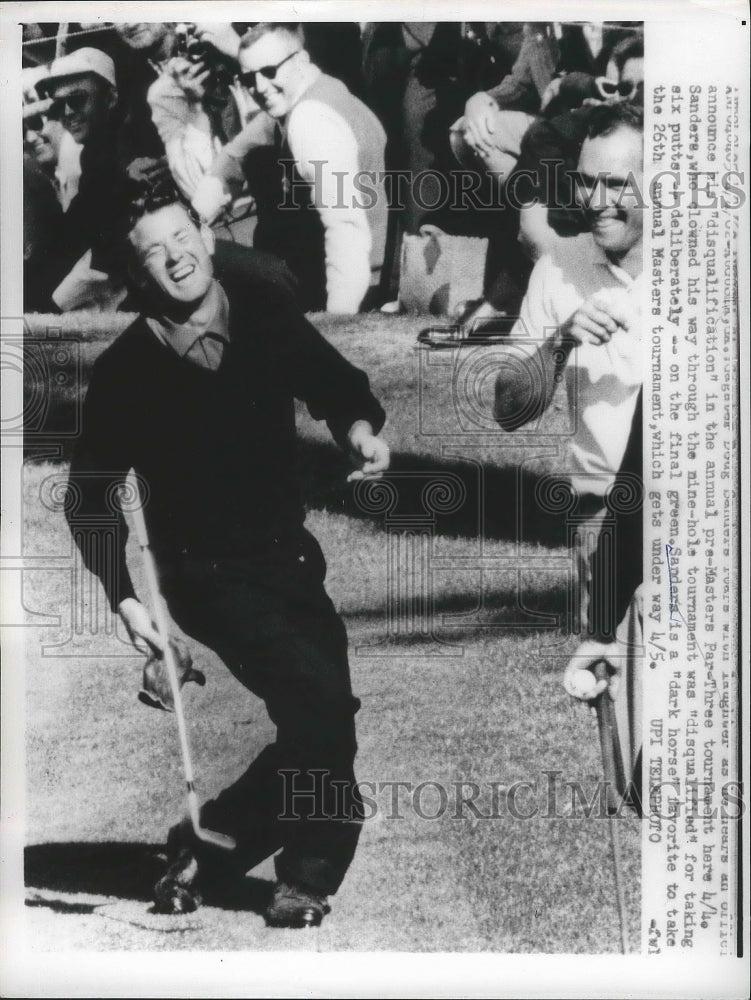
x=471 y=695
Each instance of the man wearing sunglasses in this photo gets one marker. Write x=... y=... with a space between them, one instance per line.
x=314 y=159
x=83 y=93
x=41 y=207
x=580 y=322
x=53 y=149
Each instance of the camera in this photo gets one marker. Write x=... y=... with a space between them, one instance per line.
x=194 y=50
x=187 y=44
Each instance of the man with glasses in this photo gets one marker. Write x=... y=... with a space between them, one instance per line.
x=84 y=100
x=41 y=207
x=83 y=92
x=580 y=323
x=53 y=149
x=314 y=160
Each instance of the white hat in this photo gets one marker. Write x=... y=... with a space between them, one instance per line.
x=79 y=63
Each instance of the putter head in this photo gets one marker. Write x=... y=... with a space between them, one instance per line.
x=221 y=840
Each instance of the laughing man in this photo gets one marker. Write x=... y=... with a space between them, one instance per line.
x=197 y=396
x=582 y=308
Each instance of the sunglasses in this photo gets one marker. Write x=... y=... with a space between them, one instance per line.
x=76 y=103
x=34 y=123
x=249 y=79
x=608 y=88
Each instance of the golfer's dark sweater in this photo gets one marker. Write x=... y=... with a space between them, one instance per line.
x=216 y=450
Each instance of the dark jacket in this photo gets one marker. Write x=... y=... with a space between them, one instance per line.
x=92 y=216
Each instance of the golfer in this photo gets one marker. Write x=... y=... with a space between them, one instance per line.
x=197 y=397
x=581 y=322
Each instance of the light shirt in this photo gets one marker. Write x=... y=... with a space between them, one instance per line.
x=602 y=381
x=68 y=169
x=337 y=145
x=203 y=337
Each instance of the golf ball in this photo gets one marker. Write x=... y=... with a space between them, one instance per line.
x=583 y=683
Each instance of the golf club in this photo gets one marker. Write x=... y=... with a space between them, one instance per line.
x=221 y=840
x=612 y=765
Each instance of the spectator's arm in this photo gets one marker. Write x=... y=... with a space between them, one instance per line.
x=185 y=130
x=325 y=150
x=226 y=176
x=259 y=131
x=516 y=91
x=523 y=87
x=171 y=110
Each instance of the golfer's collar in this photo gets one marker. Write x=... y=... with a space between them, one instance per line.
x=600 y=258
x=212 y=316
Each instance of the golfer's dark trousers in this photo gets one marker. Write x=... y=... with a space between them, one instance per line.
x=272 y=622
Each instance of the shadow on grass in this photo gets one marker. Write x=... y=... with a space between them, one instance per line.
x=60 y=906
x=499 y=503
x=486 y=607
x=460 y=622
x=496 y=503
x=121 y=870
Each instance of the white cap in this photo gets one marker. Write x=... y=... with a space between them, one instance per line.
x=79 y=63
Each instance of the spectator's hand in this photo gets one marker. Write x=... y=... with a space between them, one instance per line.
x=370 y=452
x=597 y=319
x=139 y=626
x=210 y=198
x=497 y=161
x=222 y=37
x=189 y=76
x=587 y=688
x=147 y=169
x=479 y=122
x=190 y=156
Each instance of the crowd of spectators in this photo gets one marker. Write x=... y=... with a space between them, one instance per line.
x=289 y=140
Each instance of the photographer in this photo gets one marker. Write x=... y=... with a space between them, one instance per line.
x=194 y=105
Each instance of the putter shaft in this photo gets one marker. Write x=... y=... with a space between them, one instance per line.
x=160 y=616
